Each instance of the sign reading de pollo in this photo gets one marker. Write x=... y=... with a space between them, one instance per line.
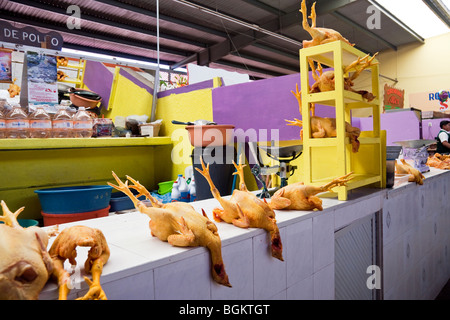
x=29 y=36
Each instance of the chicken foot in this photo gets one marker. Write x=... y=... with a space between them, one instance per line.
x=9 y=218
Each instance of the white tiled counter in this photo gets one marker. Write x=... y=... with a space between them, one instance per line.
x=416 y=260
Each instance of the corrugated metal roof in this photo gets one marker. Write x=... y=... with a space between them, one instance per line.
x=127 y=28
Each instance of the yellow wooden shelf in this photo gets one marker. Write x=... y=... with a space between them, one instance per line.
x=69 y=80
x=70 y=143
x=325 y=159
x=353 y=100
x=332 y=142
x=72 y=66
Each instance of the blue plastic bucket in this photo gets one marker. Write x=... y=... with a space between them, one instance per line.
x=74 y=199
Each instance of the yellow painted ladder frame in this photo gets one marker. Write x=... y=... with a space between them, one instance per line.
x=339 y=54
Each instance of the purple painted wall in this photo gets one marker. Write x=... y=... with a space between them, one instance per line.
x=262 y=104
x=431 y=131
x=99 y=79
x=402 y=126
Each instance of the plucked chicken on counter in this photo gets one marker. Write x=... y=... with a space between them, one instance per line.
x=245 y=210
x=179 y=224
x=26 y=266
x=298 y=196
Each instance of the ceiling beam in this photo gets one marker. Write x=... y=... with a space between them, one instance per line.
x=113 y=23
x=439 y=9
x=363 y=30
x=396 y=20
x=235 y=43
x=163 y=17
x=88 y=34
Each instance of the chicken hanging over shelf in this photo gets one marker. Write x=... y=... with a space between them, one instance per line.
x=64 y=247
x=245 y=210
x=319 y=35
x=405 y=168
x=25 y=265
x=179 y=224
x=298 y=196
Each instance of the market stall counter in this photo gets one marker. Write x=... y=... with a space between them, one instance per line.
x=410 y=240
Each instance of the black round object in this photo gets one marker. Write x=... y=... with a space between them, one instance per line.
x=221 y=169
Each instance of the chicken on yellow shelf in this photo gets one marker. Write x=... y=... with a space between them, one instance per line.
x=319 y=35
x=298 y=196
x=245 y=210
x=179 y=224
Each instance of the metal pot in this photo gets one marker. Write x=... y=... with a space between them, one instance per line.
x=200 y=122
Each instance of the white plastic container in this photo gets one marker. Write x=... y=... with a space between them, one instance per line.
x=2 y=125
x=62 y=124
x=192 y=190
x=40 y=123
x=17 y=123
x=175 y=195
x=183 y=187
x=82 y=124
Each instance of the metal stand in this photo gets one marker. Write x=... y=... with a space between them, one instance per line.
x=284 y=155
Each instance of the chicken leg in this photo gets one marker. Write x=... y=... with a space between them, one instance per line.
x=64 y=247
x=298 y=196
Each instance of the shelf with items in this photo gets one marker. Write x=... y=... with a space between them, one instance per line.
x=328 y=158
x=71 y=143
x=76 y=68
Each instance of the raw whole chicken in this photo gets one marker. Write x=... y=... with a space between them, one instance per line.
x=325 y=81
x=319 y=35
x=405 y=168
x=439 y=161
x=326 y=128
x=245 y=210
x=64 y=247
x=179 y=224
x=298 y=196
x=25 y=265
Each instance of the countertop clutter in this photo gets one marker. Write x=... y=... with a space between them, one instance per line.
x=143 y=267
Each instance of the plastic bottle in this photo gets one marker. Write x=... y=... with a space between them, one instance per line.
x=40 y=123
x=82 y=124
x=175 y=195
x=17 y=123
x=62 y=124
x=2 y=125
x=183 y=187
x=192 y=190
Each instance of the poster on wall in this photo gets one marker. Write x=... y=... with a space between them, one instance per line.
x=393 y=98
x=5 y=66
x=42 y=79
x=431 y=101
